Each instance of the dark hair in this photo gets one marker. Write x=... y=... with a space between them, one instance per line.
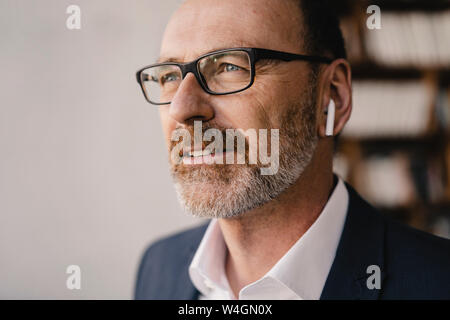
x=322 y=35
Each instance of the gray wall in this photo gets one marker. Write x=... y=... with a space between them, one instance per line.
x=83 y=167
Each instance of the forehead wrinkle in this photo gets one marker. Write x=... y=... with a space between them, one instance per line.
x=192 y=32
x=192 y=45
x=206 y=50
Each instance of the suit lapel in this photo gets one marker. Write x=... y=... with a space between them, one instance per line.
x=183 y=288
x=361 y=246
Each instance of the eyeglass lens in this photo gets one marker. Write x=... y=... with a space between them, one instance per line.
x=221 y=73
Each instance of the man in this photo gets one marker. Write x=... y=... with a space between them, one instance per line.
x=300 y=232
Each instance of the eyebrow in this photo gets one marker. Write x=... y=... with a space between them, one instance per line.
x=163 y=59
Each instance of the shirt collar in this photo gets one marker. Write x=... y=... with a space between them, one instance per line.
x=207 y=269
x=300 y=274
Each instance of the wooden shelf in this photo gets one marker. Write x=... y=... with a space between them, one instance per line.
x=370 y=70
x=428 y=154
x=412 y=5
x=429 y=144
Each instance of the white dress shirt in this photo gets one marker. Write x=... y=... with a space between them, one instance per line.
x=300 y=274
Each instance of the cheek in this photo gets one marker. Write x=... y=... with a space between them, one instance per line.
x=269 y=100
x=242 y=111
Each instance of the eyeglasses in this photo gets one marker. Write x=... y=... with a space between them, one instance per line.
x=220 y=72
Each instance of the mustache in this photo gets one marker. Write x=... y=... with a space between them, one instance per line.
x=205 y=126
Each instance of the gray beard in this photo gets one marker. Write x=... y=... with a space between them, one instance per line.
x=230 y=191
x=248 y=191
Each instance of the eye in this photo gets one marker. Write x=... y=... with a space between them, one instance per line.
x=170 y=77
x=231 y=67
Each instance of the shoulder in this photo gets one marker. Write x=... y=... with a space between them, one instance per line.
x=165 y=259
x=406 y=245
x=399 y=238
x=417 y=263
x=170 y=247
x=179 y=240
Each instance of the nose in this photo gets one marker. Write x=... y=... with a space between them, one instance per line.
x=190 y=102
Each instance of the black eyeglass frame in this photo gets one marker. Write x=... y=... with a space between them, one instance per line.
x=255 y=55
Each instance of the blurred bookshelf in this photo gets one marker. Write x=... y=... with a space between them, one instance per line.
x=395 y=149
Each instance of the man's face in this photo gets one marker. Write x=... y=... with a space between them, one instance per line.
x=282 y=97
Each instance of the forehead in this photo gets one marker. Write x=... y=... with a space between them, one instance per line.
x=202 y=26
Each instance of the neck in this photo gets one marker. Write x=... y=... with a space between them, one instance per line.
x=259 y=238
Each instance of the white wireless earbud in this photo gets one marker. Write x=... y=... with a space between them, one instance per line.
x=330 y=119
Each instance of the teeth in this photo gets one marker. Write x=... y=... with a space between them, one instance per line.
x=199 y=153
x=195 y=153
x=207 y=152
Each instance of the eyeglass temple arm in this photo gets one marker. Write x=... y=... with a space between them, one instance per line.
x=284 y=56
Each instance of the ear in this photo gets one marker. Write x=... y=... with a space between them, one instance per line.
x=336 y=84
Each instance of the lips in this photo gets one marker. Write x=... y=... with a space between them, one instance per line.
x=189 y=153
x=199 y=153
x=205 y=156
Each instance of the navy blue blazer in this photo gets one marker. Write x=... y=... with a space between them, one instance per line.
x=414 y=264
